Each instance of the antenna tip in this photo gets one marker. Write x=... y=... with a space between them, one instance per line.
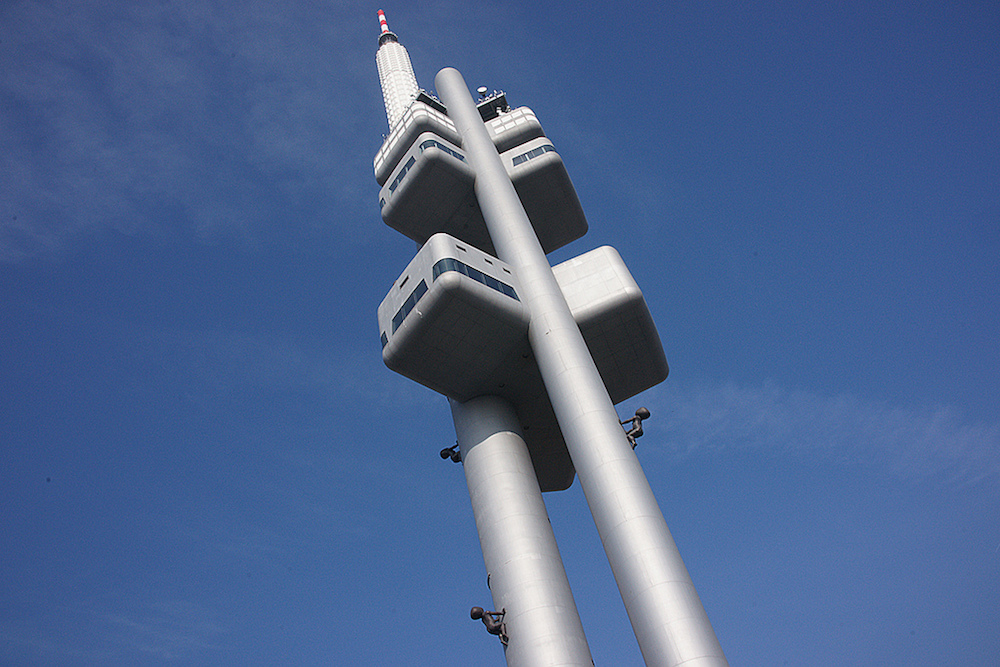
x=382 y=22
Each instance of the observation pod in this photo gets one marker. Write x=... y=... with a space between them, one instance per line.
x=423 y=154
x=453 y=322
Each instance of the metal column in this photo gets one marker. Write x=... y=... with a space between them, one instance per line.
x=667 y=616
x=526 y=574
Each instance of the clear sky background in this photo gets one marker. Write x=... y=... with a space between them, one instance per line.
x=203 y=460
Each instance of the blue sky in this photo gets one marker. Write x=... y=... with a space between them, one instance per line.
x=204 y=461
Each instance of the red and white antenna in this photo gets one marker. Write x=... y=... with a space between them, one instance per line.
x=395 y=73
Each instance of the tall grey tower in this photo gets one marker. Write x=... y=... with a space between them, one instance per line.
x=532 y=359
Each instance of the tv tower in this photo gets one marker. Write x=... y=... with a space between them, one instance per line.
x=532 y=359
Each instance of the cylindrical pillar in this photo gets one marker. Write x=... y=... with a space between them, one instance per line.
x=667 y=616
x=526 y=574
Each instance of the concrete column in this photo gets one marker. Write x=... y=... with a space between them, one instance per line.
x=667 y=616
x=526 y=573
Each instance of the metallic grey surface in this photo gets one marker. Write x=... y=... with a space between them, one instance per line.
x=463 y=339
x=467 y=352
x=417 y=119
x=666 y=614
x=542 y=182
x=526 y=574
x=611 y=312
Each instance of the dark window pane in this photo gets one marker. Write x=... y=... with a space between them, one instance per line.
x=476 y=274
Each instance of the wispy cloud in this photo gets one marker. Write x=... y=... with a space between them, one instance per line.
x=936 y=443
x=933 y=443
x=166 y=630
x=163 y=630
x=180 y=119
x=215 y=365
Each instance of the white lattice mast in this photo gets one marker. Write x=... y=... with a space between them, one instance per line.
x=395 y=73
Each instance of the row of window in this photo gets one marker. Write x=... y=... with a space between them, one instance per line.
x=402 y=173
x=408 y=305
x=441 y=266
x=520 y=159
x=431 y=143
x=449 y=264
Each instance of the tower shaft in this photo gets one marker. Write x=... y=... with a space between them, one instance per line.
x=526 y=574
x=666 y=614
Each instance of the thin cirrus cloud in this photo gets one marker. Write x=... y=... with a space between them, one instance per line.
x=144 y=119
x=937 y=443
